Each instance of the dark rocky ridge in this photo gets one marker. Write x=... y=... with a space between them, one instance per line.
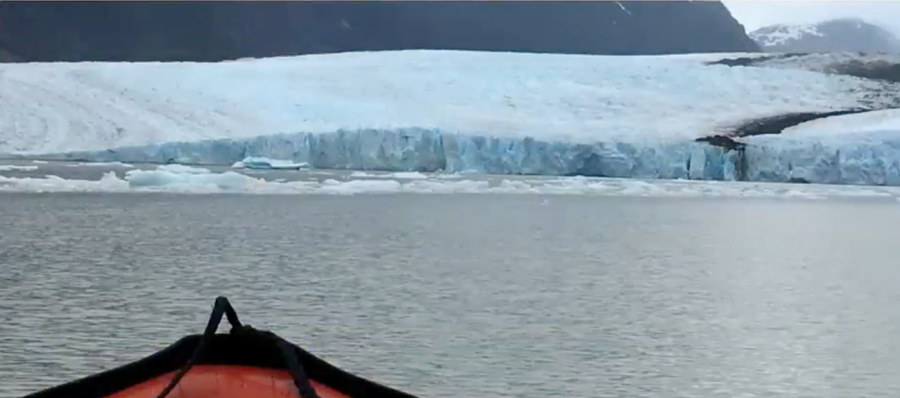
x=218 y=30
x=6 y=56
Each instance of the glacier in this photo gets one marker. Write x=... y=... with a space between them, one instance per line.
x=426 y=150
x=457 y=112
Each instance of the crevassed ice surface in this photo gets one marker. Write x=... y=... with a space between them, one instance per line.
x=442 y=110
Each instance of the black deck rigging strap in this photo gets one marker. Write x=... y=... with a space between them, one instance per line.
x=223 y=307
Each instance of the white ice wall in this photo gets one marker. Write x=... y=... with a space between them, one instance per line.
x=448 y=110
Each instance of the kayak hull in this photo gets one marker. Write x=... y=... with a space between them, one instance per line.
x=234 y=366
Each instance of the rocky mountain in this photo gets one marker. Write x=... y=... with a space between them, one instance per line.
x=218 y=30
x=835 y=35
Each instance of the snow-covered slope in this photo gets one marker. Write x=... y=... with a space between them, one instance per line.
x=416 y=110
x=835 y=35
x=886 y=121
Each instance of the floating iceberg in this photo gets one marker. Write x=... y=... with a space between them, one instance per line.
x=12 y=167
x=179 y=169
x=408 y=175
x=100 y=164
x=202 y=181
x=258 y=163
x=450 y=111
x=227 y=181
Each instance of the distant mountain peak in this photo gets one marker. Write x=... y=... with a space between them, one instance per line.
x=842 y=34
x=776 y=35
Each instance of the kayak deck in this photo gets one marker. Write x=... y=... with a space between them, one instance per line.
x=220 y=381
x=246 y=363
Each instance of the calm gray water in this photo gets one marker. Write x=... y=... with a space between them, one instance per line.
x=468 y=295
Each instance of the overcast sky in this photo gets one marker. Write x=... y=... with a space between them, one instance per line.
x=757 y=13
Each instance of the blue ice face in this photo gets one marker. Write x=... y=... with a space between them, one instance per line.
x=766 y=158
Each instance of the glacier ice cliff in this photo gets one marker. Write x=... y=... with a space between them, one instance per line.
x=871 y=159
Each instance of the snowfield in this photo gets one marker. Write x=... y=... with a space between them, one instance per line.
x=453 y=111
x=862 y=125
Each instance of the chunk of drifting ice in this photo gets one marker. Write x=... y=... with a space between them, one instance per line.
x=262 y=163
x=182 y=169
x=180 y=176
x=227 y=181
x=99 y=164
x=232 y=182
x=402 y=175
x=408 y=176
x=4 y=167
